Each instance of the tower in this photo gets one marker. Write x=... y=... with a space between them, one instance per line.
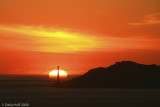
x=58 y=76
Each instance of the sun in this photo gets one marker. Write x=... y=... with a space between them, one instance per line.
x=62 y=74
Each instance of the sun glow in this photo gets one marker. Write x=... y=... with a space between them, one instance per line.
x=62 y=74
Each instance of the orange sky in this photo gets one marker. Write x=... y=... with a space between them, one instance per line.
x=38 y=35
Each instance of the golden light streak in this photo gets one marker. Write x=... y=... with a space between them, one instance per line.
x=42 y=39
x=52 y=40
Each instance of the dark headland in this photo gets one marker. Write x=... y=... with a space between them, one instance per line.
x=125 y=74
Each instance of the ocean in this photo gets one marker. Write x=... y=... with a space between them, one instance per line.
x=39 y=93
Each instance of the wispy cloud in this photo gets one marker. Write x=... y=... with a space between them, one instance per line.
x=46 y=39
x=148 y=20
x=42 y=39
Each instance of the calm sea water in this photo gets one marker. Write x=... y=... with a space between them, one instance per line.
x=50 y=96
x=41 y=94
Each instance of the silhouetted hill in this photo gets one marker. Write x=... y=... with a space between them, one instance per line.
x=125 y=74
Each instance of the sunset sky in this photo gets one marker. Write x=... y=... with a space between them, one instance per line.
x=78 y=35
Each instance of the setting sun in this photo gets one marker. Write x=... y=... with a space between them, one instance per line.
x=62 y=74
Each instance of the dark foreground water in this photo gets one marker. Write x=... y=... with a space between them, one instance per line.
x=36 y=91
x=52 y=97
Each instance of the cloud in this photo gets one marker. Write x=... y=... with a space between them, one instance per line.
x=31 y=38
x=150 y=19
x=46 y=39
